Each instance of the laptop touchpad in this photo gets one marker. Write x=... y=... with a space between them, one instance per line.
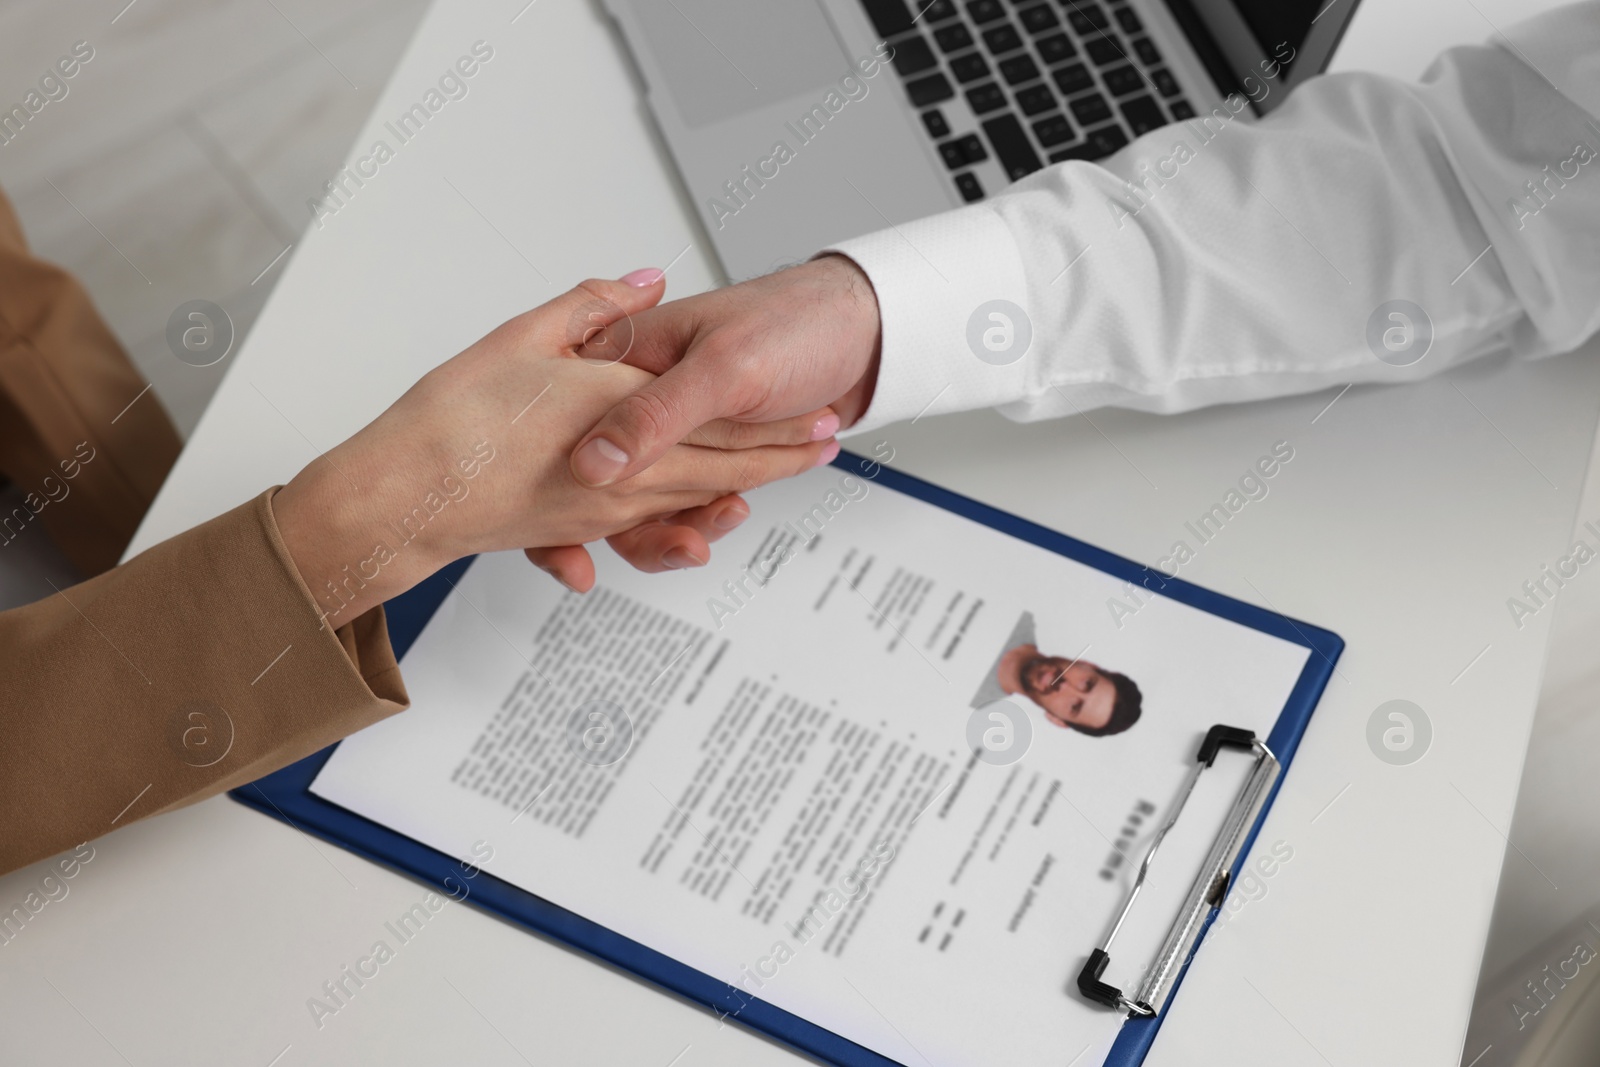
x=721 y=58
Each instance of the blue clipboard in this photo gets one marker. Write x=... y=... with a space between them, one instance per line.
x=286 y=794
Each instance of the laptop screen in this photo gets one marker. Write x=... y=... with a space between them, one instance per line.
x=1275 y=22
x=1284 y=41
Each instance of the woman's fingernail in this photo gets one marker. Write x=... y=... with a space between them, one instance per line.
x=644 y=277
x=679 y=558
x=552 y=572
x=730 y=517
x=599 y=462
x=830 y=450
x=825 y=427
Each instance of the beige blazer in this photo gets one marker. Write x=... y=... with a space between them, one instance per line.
x=195 y=667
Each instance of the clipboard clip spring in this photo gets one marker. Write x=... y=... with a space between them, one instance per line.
x=1205 y=893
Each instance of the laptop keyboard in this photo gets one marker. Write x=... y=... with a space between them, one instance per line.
x=1044 y=81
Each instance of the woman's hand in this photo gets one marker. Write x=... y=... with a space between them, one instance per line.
x=474 y=458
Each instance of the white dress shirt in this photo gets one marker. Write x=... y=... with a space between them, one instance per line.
x=1229 y=260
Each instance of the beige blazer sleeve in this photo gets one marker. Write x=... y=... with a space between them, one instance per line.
x=67 y=390
x=197 y=666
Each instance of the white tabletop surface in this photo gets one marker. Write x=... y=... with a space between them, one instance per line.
x=1406 y=519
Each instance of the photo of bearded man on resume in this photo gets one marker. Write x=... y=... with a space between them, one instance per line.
x=1073 y=693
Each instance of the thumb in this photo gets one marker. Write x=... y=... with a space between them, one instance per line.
x=651 y=340
x=640 y=428
x=599 y=306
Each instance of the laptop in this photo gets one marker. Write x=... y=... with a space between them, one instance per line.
x=799 y=123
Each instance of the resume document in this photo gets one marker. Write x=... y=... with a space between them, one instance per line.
x=878 y=764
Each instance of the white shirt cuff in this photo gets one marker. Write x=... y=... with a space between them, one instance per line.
x=953 y=301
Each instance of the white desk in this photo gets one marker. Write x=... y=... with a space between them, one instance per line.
x=1405 y=520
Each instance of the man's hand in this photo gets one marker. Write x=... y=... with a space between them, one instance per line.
x=772 y=348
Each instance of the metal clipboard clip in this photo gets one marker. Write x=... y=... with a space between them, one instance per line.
x=1210 y=883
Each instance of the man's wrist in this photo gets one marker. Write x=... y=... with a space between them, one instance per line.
x=858 y=305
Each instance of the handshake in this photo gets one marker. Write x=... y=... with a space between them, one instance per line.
x=610 y=415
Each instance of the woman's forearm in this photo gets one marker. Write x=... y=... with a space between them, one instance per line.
x=195 y=667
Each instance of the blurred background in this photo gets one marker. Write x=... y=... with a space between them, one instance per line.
x=179 y=163
x=1538 y=999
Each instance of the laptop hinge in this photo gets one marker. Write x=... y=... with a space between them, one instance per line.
x=1205 y=46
